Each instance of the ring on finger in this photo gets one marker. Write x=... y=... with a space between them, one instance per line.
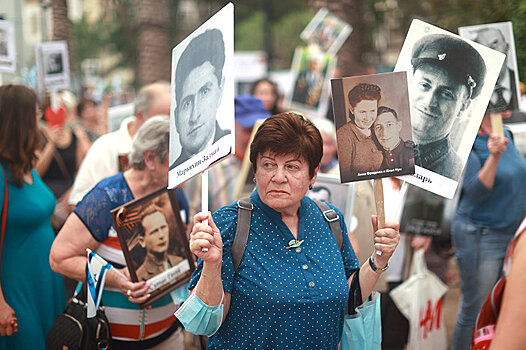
x=128 y=293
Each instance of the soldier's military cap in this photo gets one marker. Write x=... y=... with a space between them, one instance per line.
x=455 y=55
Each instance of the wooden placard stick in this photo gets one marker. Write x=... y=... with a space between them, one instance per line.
x=496 y=124
x=379 y=200
x=204 y=198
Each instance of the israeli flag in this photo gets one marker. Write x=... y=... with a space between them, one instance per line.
x=97 y=268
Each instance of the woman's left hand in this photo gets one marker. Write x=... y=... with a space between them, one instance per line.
x=135 y=291
x=385 y=240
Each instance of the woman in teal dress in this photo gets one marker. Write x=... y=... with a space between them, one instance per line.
x=31 y=294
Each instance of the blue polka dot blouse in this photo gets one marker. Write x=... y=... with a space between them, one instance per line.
x=283 y=298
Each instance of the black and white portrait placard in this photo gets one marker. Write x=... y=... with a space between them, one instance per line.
x=373 y=126
x=499 y=36
x=450 y=81
x=311 y=71
x=326 y=31
x=53 y=65
x=202 y=108
x=7 y=47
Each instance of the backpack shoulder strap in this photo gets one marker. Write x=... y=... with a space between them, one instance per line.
x=332 y=219
x=244 y=215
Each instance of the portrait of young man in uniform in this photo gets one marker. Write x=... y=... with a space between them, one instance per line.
x=387 y=128
x=448 y=73
x=450 y=81
x=154 y=237
x=198 y=94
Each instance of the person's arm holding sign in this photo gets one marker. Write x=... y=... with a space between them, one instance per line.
x=385 y=241
x=211 y=303
x=480 y=177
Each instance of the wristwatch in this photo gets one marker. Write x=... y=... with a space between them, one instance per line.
x=375 y=268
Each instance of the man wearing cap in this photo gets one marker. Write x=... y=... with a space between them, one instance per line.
x=504 y=96
x=448 y=73
x=198 y=92
x=223 y=176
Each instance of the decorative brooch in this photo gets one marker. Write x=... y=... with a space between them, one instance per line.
x=294 y=243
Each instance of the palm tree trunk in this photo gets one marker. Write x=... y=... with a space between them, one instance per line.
x=62 y=26
x=153 y=41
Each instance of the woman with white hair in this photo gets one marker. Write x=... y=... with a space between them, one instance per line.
x=91 y=226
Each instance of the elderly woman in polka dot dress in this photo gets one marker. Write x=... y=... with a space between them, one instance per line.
x=282 y=298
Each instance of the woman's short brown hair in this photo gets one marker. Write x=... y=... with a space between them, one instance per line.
x=19 y=134
x=288 y=133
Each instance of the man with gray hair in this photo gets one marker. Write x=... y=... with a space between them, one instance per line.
x=106 y=155
x=504 y=96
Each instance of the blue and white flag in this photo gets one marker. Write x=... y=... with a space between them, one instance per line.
x=97 y=268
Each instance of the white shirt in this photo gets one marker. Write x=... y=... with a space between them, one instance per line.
x=102 y=160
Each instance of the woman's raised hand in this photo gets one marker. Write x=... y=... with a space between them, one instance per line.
x=385 y=240
x=206 y=235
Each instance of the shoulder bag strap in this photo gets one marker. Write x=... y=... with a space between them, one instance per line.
x=244 y=215
x=4 y=210
x=332 y=218
x=59 y=160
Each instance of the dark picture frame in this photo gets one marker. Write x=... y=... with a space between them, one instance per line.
x=178 y=260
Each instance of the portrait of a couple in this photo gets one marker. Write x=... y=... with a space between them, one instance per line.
x=373 y=131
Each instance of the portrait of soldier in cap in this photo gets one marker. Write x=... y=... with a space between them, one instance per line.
x=448 y=73
x=506 y=92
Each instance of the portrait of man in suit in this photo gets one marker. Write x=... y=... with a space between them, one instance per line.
x=504 y=96
x=198 y=93
x=309 y=83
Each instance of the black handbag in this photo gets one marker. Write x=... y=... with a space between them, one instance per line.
x=73 y=330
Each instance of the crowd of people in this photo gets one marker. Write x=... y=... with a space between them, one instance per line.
x=291 y=287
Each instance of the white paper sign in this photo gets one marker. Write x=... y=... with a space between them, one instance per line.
x=7 y=47
x=53 y=65
x=202 y=109
x=499 y=36
x=450 y=83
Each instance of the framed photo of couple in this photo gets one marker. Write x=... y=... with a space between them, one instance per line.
x=373 y=126
x=154 y=242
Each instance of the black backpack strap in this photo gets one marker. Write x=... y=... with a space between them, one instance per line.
x=244 y=215
x=332 y=218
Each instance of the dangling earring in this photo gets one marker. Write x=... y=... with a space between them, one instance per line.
x=310 y=187
x=254 y=179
